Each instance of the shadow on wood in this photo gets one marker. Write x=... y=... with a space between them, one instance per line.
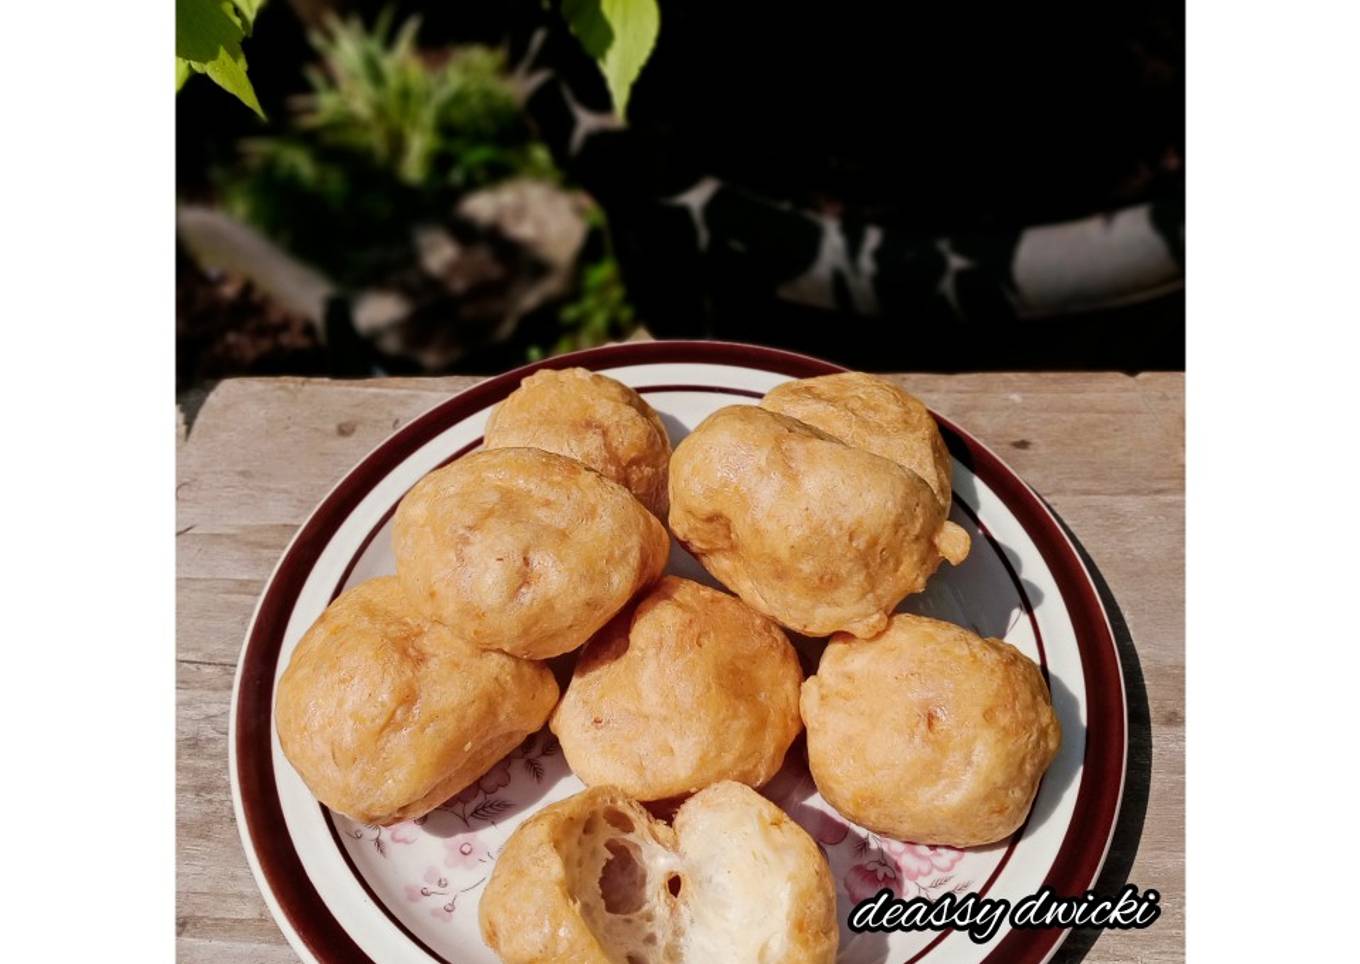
x=1138 y=774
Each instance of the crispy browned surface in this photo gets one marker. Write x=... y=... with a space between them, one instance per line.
x=929 y=733
x=385 y=715
x=816 y=534
x=523 y=550
x=686 y=687
x=593 y=419
x=869 y=413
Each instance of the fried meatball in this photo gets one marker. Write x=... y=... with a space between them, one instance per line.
x=385 y=715
x=523 y=550
x=929 y=733
x=688 y=686
x=820 y=536
x=594 y=419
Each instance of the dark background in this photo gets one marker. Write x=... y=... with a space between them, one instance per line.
x=969 y=120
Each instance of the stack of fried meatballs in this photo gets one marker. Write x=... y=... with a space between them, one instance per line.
x=821 y=508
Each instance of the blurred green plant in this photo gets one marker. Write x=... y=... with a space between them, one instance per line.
x=385 y=138
x=454 y=126
x=388 y=137
x=208 y=35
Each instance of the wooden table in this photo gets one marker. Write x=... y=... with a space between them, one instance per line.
x=1105 y=449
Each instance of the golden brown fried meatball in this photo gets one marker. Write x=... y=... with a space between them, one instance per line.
x=873 y=414
x=816 y=534
x=594 y=879
x=523 y=550
x=686 y=687
x=385 y=715
x=593 y=419
x=929 y=733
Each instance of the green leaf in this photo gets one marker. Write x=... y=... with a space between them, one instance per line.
x=587 y=22
x=230 y=74
x=208 y=36
x=203 y=27
x=249 y=10
x=620 y=35
x=636 y=24
x=182 y=72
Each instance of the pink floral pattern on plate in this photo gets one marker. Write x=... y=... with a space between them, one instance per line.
x=437 y=894
x=459 y=826
x=907 y=869
x=864 y=863
x=440 y=863
x=465 y=851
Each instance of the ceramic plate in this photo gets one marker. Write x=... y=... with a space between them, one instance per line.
x=343 y=891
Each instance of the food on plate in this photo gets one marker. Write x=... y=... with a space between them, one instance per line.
x=594 y=879
x=385 y=715
x=873 y=414
x=929 y=733
x=686 y=687
x=819 y=535
x=523 y=550
x=593 y=419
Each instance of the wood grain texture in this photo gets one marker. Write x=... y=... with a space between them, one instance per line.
x=1106 y=450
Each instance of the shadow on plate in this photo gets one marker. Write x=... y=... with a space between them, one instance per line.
x=518 y=783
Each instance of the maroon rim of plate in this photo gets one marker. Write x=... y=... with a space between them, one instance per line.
x=1084 y=846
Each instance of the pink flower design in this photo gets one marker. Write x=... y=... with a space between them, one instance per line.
x=406 y=832
x=865 y=880
x=464 y=850
x=468 y=793
x=444 y=914
x=490 y=781
x=434 y=884
x=495 y=778
x=918 y=860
